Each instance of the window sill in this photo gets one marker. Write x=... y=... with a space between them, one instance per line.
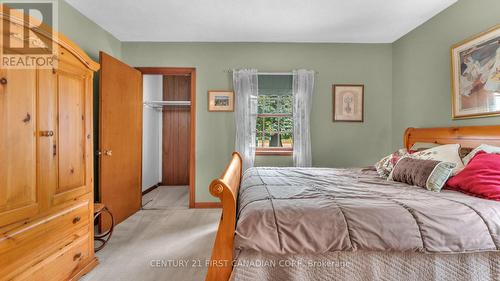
x=273 y=152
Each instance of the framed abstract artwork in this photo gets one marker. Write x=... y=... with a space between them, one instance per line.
x=475 y=76
x=348 y=103
x=220 y=101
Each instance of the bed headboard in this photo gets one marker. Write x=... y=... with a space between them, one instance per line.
x=469 y=137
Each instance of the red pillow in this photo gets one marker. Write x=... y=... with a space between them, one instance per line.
x=481 y=177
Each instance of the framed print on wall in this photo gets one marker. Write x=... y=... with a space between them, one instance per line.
x=220 y=101
x=348 y=103
x=475 y=76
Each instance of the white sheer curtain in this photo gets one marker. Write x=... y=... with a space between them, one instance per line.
x=303 y=87
x=246 y=88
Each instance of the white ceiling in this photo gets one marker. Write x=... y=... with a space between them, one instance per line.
x=356 y=21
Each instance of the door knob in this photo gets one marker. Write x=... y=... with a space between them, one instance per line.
x=106 y=153
x=47 y=133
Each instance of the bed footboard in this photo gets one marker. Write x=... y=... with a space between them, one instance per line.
x=226 y=189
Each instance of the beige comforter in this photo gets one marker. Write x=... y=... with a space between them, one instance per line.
x=318 y=210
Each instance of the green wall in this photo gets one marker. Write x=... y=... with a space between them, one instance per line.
x=85 y=33
x=421 y=67
x=333 y=144
x=407 y=83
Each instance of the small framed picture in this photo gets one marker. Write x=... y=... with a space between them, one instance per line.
x=348 y=103
x=220 y=100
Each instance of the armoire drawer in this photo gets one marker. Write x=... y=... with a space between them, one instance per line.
x=61 y=265
x=25 y=245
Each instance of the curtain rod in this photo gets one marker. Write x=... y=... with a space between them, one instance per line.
x=269 y=73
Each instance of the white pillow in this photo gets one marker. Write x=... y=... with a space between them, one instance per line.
x=444 y=153
x=483 y=147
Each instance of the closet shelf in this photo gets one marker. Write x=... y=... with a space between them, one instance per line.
x=161 y=104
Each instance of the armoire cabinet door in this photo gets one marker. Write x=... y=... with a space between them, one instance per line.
x=72 y=131
x=19 y=193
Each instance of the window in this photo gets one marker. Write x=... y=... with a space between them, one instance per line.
x=275 y=112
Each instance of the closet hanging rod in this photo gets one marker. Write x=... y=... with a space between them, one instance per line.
x=166 y=103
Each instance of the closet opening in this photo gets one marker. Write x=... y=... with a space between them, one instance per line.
x=168 y=141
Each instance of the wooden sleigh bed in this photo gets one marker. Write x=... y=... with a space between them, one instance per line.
x=226 y=188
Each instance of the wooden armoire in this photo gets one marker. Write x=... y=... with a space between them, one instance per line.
x=46 y=164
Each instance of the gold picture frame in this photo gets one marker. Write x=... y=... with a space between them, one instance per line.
x=220 y=101
x=475 y=76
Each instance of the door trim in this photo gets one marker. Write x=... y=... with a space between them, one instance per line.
x=190 y=71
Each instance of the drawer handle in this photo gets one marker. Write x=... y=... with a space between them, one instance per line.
x=77 y=256
x=3 y=80
x=76 y=219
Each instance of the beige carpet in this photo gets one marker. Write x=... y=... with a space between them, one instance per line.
x=164 y=244
x=166 y=198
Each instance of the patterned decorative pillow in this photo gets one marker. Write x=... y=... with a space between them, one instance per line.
x=385 y=165
x=443 y=153
x=429 y=174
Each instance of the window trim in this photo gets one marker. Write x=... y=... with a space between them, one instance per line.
x=276 y=151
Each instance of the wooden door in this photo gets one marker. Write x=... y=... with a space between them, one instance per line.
x=120 y=139
x=176 y=131
x=19 y=191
